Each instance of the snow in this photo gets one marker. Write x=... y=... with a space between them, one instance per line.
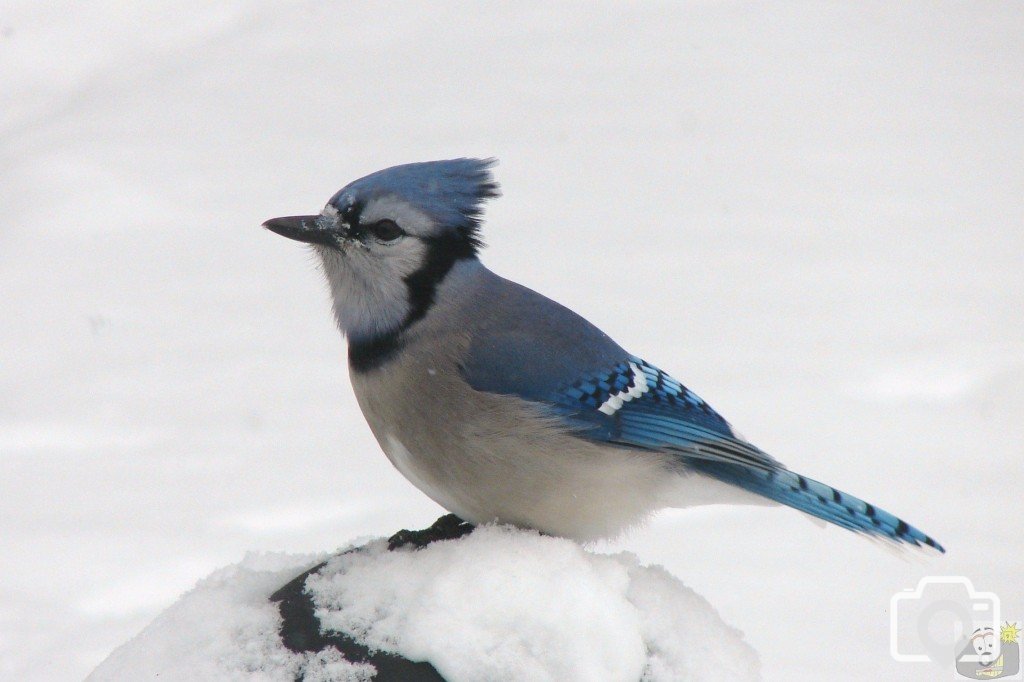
x=825 y=200
x=499 y=604
x=225 y=628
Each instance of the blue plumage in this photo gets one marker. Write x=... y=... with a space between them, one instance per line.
x=451 y=192
x=660 y=406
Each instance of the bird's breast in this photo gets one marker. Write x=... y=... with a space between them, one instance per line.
x=488 y=457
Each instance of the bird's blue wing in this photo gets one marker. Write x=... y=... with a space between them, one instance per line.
x=632 y=403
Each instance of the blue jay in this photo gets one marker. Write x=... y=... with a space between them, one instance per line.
x=502 y=405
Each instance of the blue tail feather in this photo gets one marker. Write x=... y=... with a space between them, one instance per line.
x=818 y=499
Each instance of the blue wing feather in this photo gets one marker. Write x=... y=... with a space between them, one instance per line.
x=633 y=403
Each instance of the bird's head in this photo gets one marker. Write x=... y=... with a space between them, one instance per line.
x=388 y=239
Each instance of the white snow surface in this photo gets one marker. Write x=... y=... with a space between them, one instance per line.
x=499 y=604
x=225 y=628
x=809 y=213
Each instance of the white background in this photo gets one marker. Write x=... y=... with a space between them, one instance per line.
x=810 y=213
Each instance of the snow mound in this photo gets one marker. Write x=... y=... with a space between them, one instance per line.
x=498 y=604
x=223 y=629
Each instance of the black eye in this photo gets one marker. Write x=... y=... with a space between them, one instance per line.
x=385 y=230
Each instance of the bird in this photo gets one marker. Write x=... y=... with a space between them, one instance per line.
x=504 y=406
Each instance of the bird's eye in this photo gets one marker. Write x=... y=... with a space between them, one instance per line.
x=385 y=230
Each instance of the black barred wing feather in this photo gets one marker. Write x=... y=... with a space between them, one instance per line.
x=635 y=403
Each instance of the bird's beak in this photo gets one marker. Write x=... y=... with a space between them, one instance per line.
x=303 y=228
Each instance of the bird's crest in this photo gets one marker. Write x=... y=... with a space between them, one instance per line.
x=451 y=192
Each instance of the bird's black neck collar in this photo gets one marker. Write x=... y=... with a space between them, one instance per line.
x=443 y=252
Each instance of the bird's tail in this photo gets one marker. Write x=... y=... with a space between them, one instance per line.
x=818 y=499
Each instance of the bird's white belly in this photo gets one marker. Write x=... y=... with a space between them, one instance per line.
x=583 y=495
x=405 y=462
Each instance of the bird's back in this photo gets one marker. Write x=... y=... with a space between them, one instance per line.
x=526 y=344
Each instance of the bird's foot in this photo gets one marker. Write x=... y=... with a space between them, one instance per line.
x=448 y=527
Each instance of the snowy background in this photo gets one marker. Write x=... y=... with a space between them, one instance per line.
x=828 y=199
